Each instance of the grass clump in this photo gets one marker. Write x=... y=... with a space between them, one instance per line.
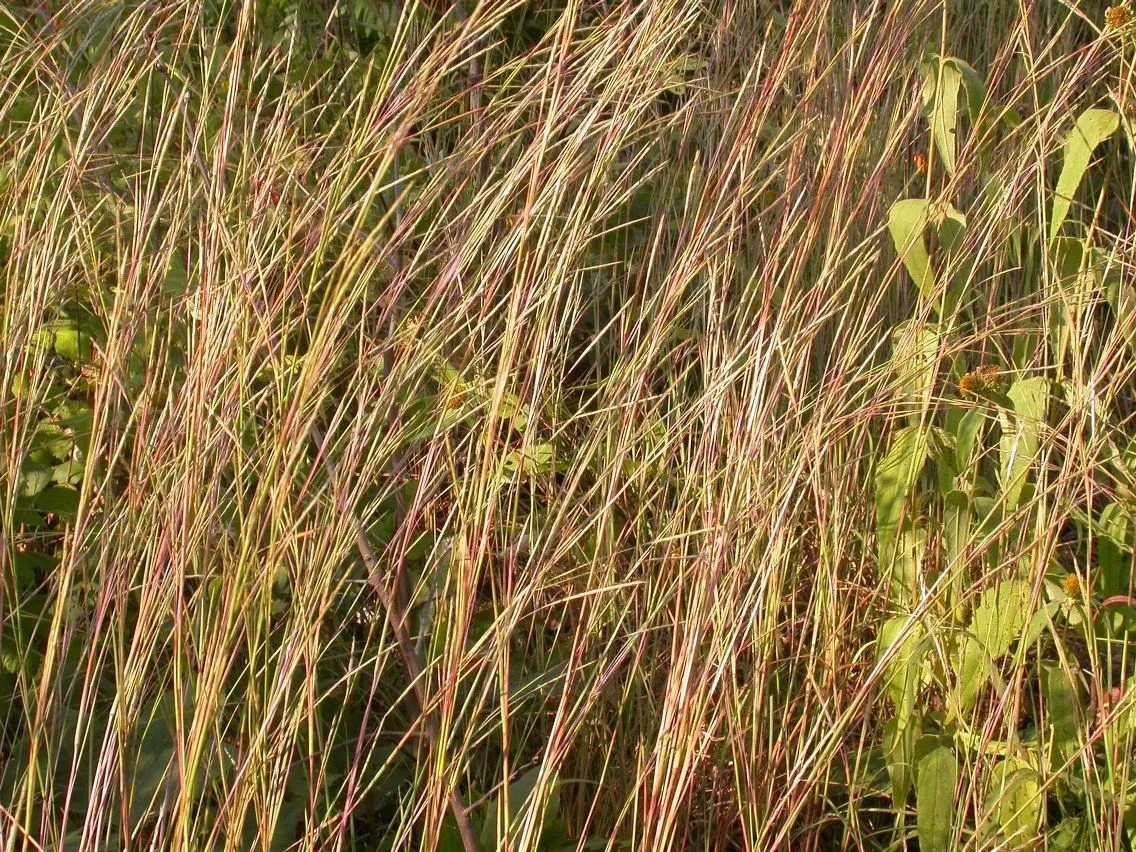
x=576 y=425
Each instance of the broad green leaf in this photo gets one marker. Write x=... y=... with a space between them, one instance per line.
x=906 y=221
x=906 y=665
x=1040 y=621
x=915 y=350
x=29 y=563
x=1122 y=298
x=940 y=89
x=974 y=87
x=1093 y=127
x=1014 y=802
x=1078 y=272
x=966 y=435
x=937 y=778
x=1000 y=617
x=71 y=343
x=1070 y=835
x=956 y=536
x=899 y=752
x=972 y=671
x=1076 y=284
x=520 y=792
x=903 y=568
x=980 y=744
x=10 y=659
x=894 y=479
x=67 y=473
x=1020 y=435
x=1113 y=545
x=76 y=416
x=942 y=449
x=34 y=479
x=53 y=438
x=1062 y=709
x=58 y=500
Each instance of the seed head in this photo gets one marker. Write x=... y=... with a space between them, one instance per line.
x=985 y=378
x=1072 y=585
x=1119 y=17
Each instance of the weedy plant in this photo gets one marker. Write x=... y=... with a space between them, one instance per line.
x=1007 y=661
x=538 y=426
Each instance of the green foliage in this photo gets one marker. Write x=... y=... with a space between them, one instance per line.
x=955 y=636
x=1093 y=127
x=429 y=419
x=937 y=780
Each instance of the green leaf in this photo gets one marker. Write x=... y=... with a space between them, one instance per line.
x=449 y=838
x=915 y=350
x=53 y=438
x=974 y=87
x=899 y=752
x=966 y=435
x=894 y=479
x=1015 y=802
x=71 y=343
x=941 y=80
x=956 y=535
x=903 y=567
x=904 y=670
x=58 y=500
x=937 y=777
x=154 y=755
x=29 y=563
x=1070 y=835
x=1040 y=620
x=1020 y=435
x=76 y=415
x=972 y=671
x=906 y=221
x=999 y=619
x=1122 y=298
x=1062 y=709
x=1001 y=615
x=67 y=473
x=1113 y=543
x=34 y=479
x=519 y=794
x=1093 y=127
x=10 y=658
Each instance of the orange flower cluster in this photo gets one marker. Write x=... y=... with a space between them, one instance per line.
x=1119 y=17
x=985 y=378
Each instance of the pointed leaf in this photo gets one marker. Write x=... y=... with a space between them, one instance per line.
x=941 y=81
x=1093 y=127
x=915 y=349
x=1015 y=802
x=906 y=222
x=899 y=752
x=1020 y=435
x=935 y=800
x=974 y=87
x=1062 y=709
x=905 y=666
x=894 y=479
x=1000 y=617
